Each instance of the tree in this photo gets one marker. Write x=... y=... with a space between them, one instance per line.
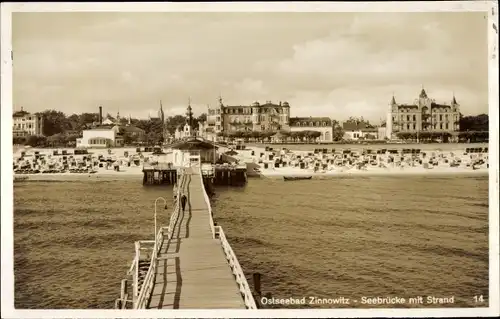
x=36 y=141
x=478 y=123
x=175 y=121
x=359 y=121
x=338 y=131
x=54 y=122
x=18 y=140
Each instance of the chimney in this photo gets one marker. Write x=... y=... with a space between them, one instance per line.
x=100 y=115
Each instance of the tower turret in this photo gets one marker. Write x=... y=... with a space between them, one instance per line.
x=189 y=114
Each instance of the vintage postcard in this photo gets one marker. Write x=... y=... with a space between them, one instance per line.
x=250 y=159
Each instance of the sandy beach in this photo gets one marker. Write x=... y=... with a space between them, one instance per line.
x=128 y=163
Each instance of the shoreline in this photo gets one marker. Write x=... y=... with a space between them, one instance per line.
x=269 y=174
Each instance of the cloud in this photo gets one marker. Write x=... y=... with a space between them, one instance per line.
x=331 y=64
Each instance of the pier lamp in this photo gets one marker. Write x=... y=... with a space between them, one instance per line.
x=165 y=202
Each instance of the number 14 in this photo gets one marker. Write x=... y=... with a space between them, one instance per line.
x=479 y=298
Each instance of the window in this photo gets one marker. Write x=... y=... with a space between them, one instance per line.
x=408 y=126
x=440 y=117
x=434 y=125
x=414 y=117
x=262 y=127
x=317 y=123
x=414 y=126
x=446 y=125
x=440 y=126
x=408 y=118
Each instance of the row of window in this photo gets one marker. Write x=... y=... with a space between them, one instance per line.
x=441 y=126
x=23 y=126
x=260 y=118
x=311 y=123
x=98 y=141
x=434 y=117
x=442 y=110
x=29 y=118
x=246 y=111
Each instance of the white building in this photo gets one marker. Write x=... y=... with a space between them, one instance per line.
x=25 y=124
x=206 y=131
x=183 y=132
x=356 y=131
x=323 y=125
x=185 y=151
x=99 y=137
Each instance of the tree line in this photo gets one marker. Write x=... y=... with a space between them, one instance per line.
x=60 y=129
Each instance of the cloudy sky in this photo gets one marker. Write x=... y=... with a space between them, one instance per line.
x=323 y=64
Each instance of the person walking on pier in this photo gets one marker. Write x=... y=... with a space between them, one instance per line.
x=183 y=202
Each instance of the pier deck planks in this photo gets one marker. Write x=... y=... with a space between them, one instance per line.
x=192 y=270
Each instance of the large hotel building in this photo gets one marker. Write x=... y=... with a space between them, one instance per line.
x=25 y=124
x=424 y=115
x=255 y=117
x=266 y=117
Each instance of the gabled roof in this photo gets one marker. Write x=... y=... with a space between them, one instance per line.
x=423 y=94
x=20 y=114
x=440 y=105
x=193 y=144
x=350 y=126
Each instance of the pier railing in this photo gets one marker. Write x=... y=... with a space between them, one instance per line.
x=236 y=269
x=142 y=294
x=207 y=201
x=217 y=232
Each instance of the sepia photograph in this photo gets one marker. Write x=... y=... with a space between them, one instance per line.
x=249 y=158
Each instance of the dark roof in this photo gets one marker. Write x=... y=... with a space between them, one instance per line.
x=440 y=105
x=20 y=114
x=268 y=104
x=411 y=106
x=295 y=120
x=193 y=144
x=237 y=106
x=102 y=127
x=350 y=126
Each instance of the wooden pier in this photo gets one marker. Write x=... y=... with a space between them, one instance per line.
x=224 y=175
x=192 y=264
x=161 y=173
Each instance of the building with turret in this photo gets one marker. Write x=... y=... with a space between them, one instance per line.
x=423 y=115
x=187 y=130
x=255 y=117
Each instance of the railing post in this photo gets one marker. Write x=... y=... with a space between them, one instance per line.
x=136 y=273
x=124 y=290
x=256 y=283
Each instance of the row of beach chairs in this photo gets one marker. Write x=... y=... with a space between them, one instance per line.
x=476 y=150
